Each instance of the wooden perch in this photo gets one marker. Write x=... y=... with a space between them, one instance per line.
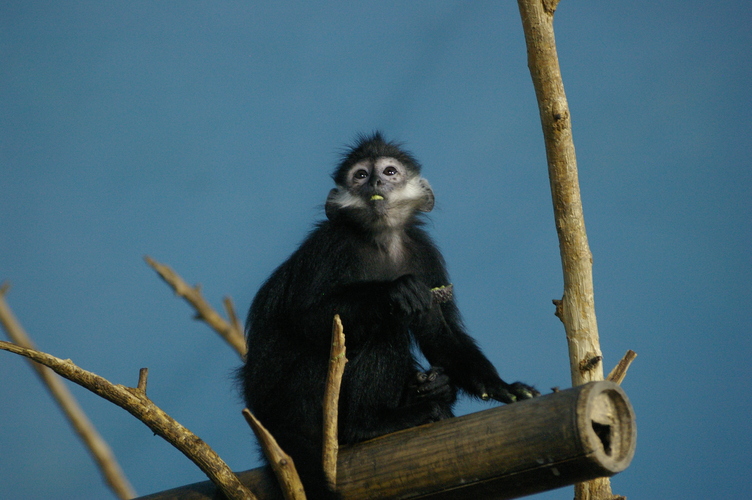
x=505 y=452
x=231 y=331
x=134 y=401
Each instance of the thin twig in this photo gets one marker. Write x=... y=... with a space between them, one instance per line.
x=143 y=376
x=232 y=332
x=234 y=321
x=281 y=463
x=136 y=403
x=98 y=448
x=620 y=370
x=337 y=361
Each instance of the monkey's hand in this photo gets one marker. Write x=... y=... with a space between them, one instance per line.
x=408 y=295
x=433 y=385
x=430 y=396
x=508 y=393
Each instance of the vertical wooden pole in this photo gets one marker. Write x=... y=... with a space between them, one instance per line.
x=576 y=309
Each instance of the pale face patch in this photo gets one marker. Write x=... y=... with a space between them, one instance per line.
x=385 y=192
x=382 y=175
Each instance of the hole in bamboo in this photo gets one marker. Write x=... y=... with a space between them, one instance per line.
x=605 y=423
x=611 y=427
x=603 y=432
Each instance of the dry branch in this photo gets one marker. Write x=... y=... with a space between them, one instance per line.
x=136 y=403
x=337 y=361
x=231 y=331
x=234 y=321
x=97 y=446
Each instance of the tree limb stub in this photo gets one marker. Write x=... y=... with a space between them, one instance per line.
x=620 y=370
x=137 y=404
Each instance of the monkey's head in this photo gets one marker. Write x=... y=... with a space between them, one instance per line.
x=378 y=185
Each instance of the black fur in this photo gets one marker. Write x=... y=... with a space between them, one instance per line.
x=384 y=300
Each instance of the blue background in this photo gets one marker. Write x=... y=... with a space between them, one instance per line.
x=203 y=135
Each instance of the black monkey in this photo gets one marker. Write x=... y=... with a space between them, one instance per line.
x=373 y=264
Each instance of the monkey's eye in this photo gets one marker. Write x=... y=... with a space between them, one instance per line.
x=361 y=174
x=390 y=171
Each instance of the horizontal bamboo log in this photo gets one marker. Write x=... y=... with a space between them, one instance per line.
x=505 y=452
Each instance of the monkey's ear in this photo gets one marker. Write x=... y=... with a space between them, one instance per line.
x=427 y=203
x=331 y=206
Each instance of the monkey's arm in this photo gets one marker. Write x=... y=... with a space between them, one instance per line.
x=444 y=342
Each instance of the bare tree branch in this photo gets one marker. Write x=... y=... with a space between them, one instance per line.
x=577 y=309
x=137 y=404
x=231 y=331
x=143 y=375
x=97 y=446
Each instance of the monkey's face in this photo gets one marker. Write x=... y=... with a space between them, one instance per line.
x=376 y=180
x=384 y=189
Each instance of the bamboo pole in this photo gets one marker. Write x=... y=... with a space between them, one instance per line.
x=505 y=452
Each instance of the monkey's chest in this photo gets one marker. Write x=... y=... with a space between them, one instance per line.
x=377 y=264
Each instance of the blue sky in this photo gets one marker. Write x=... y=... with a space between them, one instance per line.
x=203 y=135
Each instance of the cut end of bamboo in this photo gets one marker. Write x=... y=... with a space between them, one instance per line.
x=607 y=428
